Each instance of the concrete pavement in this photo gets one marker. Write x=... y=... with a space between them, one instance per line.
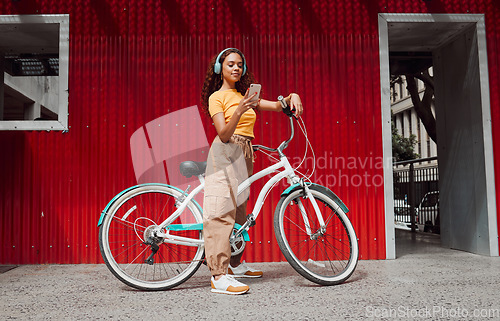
x=424 y=282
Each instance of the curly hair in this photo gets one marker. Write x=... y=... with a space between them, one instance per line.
x=213 y=81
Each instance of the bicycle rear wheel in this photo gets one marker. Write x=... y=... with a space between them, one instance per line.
x=325 y=256
x=127 y=228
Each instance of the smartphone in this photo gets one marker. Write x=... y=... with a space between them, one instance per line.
x=254 y=88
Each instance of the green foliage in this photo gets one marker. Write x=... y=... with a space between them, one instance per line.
x=403 y=148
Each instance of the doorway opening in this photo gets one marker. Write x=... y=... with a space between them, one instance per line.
x=456 y=46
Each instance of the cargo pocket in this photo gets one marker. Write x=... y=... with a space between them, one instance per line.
x=216 y=206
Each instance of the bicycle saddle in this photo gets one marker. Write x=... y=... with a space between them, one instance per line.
x=191 y=168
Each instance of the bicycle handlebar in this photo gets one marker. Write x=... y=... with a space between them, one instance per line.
x=287 y=111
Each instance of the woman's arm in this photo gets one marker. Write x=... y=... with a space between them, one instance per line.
x=225 y=131
x=293 y=100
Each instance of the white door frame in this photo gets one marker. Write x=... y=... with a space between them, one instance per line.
x=383 y=20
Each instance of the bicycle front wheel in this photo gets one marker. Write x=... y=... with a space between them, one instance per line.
x=132 y=252
x=325 y=256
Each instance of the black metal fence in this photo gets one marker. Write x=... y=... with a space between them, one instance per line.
x=416 y=195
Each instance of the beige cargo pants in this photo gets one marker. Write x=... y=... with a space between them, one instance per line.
x=228 y=164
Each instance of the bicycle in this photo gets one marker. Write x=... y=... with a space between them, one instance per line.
x=151 y=235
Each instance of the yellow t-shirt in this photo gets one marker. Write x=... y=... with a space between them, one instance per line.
x=226 y=102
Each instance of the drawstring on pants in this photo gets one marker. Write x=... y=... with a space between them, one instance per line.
x=246 y=145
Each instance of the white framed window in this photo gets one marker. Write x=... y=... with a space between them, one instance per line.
x=34 y=56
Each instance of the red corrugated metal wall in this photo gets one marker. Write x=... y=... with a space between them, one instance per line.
x=134 y=61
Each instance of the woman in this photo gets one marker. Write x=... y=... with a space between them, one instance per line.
x=226 y=100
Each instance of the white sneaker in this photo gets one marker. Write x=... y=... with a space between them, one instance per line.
x=244 y=271
x=228 y=285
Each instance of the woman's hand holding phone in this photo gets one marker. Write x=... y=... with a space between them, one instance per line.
x=251 y=98
x=254 y=92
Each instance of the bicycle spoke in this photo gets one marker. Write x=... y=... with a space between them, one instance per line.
x=300 y=228
x=138 y=256
x=128 y=224
x=126 y=249
x=342 y=243
x=339 y=259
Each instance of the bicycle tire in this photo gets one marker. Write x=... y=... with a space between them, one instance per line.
x=326 y=258
x=126 y=227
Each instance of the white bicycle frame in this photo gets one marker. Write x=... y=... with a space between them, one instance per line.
x=287 y=172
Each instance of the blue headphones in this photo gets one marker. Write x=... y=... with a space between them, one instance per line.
x=218 y=65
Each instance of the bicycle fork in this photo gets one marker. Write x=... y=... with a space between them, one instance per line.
x=322 y=229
